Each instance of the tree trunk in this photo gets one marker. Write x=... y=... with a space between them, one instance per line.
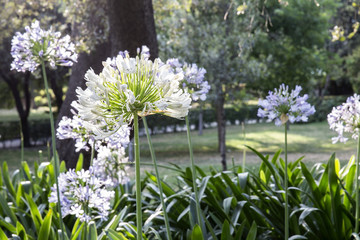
x=131 y=26
x=22 y=110
x=66 y=148
x=57 y=91
x=221 y=122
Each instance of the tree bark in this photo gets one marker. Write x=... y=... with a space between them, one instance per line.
x=22 y=110
x=221 y=122
x=57 y=91
x=66 y=148
x=131 y=26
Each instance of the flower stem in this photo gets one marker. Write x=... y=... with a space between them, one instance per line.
x=56 y=160
x=286 y=189
x=137 y=177
x=197 y=202
x=158 y=179
x=357 y=188
x=244 y=151
x=92 y=154
x=22 y=142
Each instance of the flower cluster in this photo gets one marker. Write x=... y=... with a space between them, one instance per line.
x=193 y=78
x=345 y=118
x=284 y=106
x=35 y=45
x=83 y=194
x=129 y=86
x=111 y=166
x=77 y=129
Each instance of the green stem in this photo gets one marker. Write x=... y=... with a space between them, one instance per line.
x=56 y=160
x=158 y=179
x=244 y=151
x=92 y=154
x=357 y=188
x=286 y=189
x=137 y=177
x=22 y=142
x=197 y=202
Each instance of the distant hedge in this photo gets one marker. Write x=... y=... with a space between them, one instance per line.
x=39 y=130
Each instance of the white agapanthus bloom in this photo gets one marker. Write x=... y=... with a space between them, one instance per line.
x=76 y=128
x=35 y=45
x=128 y=86
x=83 y=194
x=346 y=119
x=111 y=165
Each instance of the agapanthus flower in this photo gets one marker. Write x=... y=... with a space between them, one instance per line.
x=345 y=119
x=193 y=78
x=75 y=128
x=35 y=45
x=110 y=165
x=83 y=194
x=127 y=87
x=284 y=106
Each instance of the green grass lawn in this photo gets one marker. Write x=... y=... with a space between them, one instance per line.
x=312 y=140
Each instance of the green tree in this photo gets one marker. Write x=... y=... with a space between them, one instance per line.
x=20 y=14
x=217 y=35
x=293 y=43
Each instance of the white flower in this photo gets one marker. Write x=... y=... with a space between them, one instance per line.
x=346 y=118
x=193 y=78
x=82 y=194
x=35 y=45
x=284 y=106
x=128 y=86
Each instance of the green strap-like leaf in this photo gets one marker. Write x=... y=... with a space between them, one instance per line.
x=76 y=234
x=7 y=180
x=2 y=235
x=34 y=211
x=196 y=233
x=8 y=212
x=79 y=164
x=92 y=231
x=113 y=235
x=252 y=232
x=20 y=230
x=45 y=227
x=225 y=233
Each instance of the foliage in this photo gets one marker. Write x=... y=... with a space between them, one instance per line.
x=212 y=35
x=292 y=43
x=235 y=204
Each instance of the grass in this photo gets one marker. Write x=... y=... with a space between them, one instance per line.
x=312 y=140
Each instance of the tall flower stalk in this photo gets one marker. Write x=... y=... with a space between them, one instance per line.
x=37 y=47
x=283 y=107
x=346 y=119
x=53 y=140
x=193 y=169
x=286 y=186
x=195 y=84
x=152 y=152
x=137 y=176
x=126 y=89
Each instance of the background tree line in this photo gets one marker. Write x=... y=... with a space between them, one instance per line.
x=247 y=47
